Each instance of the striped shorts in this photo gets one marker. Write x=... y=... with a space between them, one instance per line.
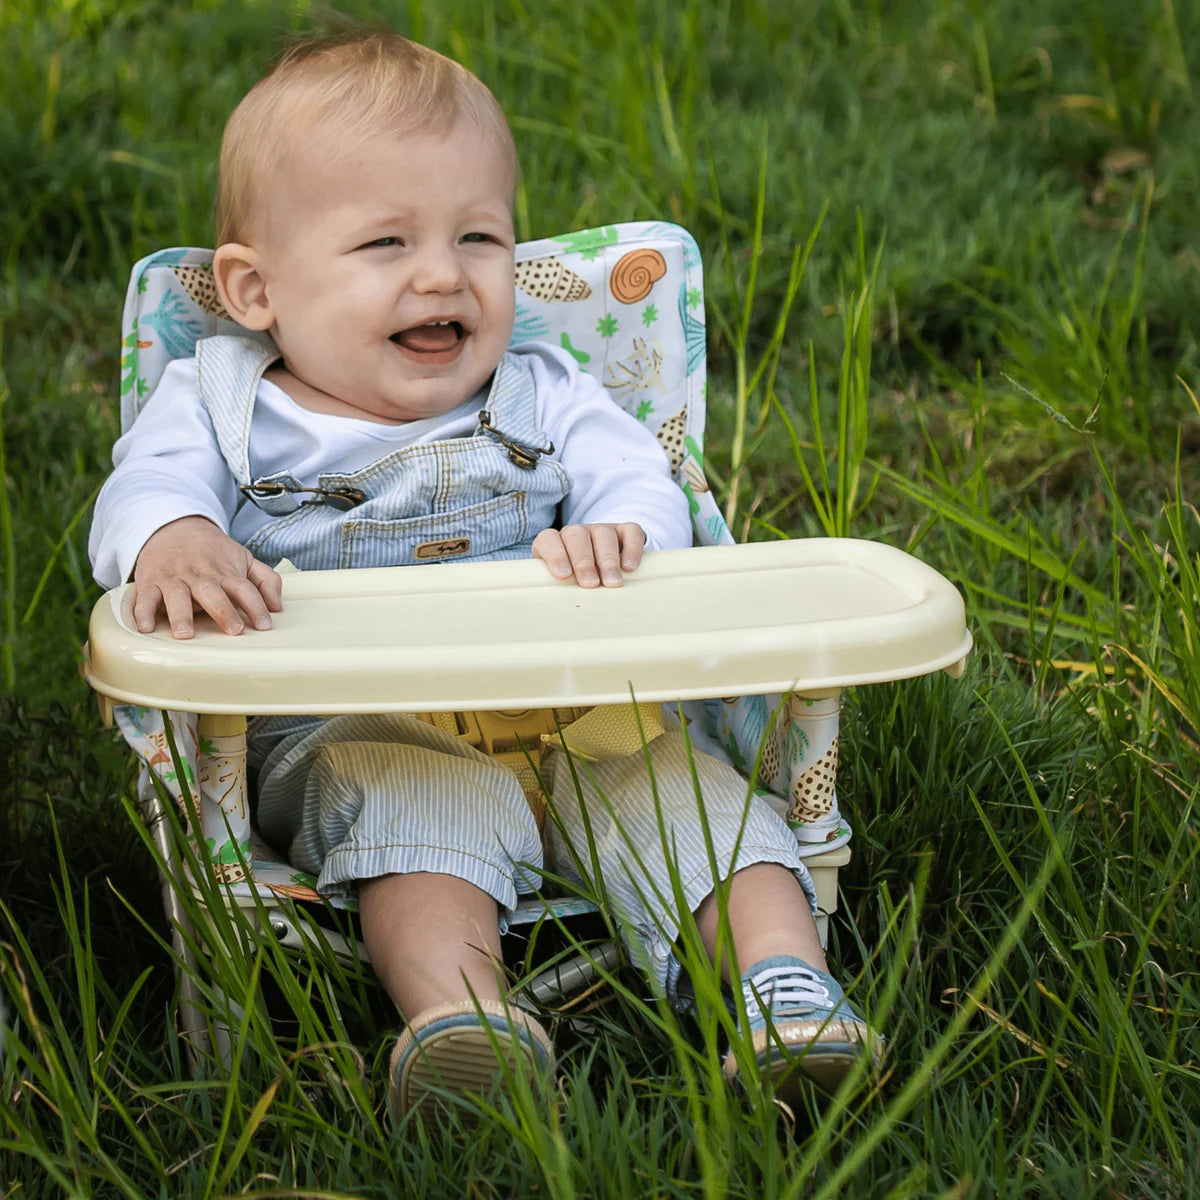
x=360 y=796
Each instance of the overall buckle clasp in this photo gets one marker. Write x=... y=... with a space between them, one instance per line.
x=342 y=499
x=524 y=455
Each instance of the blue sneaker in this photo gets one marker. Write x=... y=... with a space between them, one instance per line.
x=464 y=1048
x=801 y=1025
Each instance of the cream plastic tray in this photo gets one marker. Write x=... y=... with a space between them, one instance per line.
x=811 y=615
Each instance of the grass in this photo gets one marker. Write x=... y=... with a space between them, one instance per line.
x=951 y=286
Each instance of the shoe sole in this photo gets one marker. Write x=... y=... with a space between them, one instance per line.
x=803 y=1058
x=448 y=1050
x=825 y=1066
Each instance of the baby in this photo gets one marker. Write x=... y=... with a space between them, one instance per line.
x=365 y=223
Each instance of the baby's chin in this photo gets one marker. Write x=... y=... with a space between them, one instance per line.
x=415 y=405
x=413 y=399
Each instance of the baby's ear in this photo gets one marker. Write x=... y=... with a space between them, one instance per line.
x=243 y=289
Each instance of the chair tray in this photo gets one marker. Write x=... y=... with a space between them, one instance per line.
x=806 y=615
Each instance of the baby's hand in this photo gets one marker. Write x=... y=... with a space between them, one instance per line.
x=594 y=554
x=191 y=566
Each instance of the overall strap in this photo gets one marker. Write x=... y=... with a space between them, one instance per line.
x=228 y=371
x=510 y=414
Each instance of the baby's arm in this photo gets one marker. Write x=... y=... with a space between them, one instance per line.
x=190 y=566
x=161 y=515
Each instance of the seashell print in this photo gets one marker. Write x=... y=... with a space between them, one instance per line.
x=550 y=279
x=635 y=274
x=670 y=436
x=228 y=872
x=198 y=283
x=223 y=782
x=638 y=375
x=161 y=752
x=770 y=760
x=812 y=795
x=693 y=476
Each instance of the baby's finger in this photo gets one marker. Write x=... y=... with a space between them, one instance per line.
x=250 y=600
x=548 y=546
x=145 y=607
x=177 y=603
x=212 y=597
x=578 y=541
x=269 y=583
x=633 y=541
x=606 y=548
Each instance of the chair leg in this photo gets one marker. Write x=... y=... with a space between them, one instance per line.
x=813 y=812
x=193 y=1029
x=824 y=871
x=564 y=979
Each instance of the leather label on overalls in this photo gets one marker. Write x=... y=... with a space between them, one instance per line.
x=442 y=548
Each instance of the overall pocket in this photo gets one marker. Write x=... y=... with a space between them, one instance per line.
x=496 y=528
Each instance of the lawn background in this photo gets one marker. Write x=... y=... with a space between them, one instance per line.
x=952 y=279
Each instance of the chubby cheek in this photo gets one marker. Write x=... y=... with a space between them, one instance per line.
x=502 y=315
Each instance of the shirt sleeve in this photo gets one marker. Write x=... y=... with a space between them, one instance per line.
x=618 y=470
x=167 y=466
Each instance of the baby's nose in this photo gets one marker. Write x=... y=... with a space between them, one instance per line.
x=437 y=269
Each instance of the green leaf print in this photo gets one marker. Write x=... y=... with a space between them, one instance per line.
x=582 y=357
x=129 y=361
x=230 y=852
x=735 y=752
x=588 y=243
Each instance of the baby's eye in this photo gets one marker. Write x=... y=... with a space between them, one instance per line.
x=477 y=237
x=384 y=241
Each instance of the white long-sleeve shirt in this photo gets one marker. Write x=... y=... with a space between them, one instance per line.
x=169 y=465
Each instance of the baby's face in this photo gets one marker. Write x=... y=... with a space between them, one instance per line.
x=389 y=270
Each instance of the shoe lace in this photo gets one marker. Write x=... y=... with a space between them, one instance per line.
x=780 y=990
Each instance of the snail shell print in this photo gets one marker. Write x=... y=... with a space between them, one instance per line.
x=635 y=274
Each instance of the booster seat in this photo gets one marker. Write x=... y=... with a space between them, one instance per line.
x=755 y=641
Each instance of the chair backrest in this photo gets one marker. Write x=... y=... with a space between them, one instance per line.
x=626 y=301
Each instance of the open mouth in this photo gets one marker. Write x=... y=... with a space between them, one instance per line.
x=437 y=337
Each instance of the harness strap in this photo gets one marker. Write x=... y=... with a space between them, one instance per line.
x=515 y=738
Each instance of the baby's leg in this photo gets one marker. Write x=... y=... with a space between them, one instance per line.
x=636 y=858
x=432 y=939
x=431 y=835
x=795 y=1012
x=769 y=915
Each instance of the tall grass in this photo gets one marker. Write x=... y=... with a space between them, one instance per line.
x=951 y=298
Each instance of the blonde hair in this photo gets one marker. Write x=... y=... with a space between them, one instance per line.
x=368 y=82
